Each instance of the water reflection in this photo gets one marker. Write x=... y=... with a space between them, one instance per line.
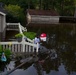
x=25 y=66
x=2 y=66
x=38 y=68
x=64 y=64
x=29 y=71
x=69 y=60
x=63 y=40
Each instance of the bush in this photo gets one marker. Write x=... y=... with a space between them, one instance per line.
x=30 y=35
x=6 y=51
x=18 y=35
x=1 y=50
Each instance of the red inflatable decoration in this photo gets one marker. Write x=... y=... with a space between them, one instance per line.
x=43 y=36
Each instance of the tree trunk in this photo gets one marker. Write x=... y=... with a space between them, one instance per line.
x=75 y=12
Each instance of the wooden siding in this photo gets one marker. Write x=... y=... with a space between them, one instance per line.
x=2 y=22
x=44 y=19
x=2 y=26
x=36 y=19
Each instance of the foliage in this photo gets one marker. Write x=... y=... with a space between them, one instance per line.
x=30 y=35
x=16 y=8
x=6 y=51
x=0 y=50
x=15 y=12
x=18 y=35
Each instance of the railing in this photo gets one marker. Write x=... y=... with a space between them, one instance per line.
x=22 y=46
x=15 y=26
x=19 y=46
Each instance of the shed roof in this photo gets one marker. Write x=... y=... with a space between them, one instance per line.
x=2 y=13
x=2 y=10
x=42 y=12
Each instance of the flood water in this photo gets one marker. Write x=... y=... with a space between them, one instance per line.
x=61 y=38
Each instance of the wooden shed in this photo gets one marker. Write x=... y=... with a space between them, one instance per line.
x=2 y=25
x=41 y=17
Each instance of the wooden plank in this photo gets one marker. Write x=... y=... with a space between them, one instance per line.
x=15 y=48
x=41 y=19
x=19 y=48
x=26 y=48
x=12 y=48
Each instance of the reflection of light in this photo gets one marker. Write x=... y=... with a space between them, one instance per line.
x=43 y=35
x=29 y=71
x=61 y=71
x=10 y=43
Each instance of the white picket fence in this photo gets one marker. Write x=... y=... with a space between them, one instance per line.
x=19 y=46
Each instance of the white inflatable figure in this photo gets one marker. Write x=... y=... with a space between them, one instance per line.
x=37 y=41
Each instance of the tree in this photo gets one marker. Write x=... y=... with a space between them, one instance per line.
x=16 y=12
x=64 y=7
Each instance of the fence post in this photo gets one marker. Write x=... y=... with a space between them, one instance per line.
x=23 y=44
x=37 y=48
x=33 y=46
